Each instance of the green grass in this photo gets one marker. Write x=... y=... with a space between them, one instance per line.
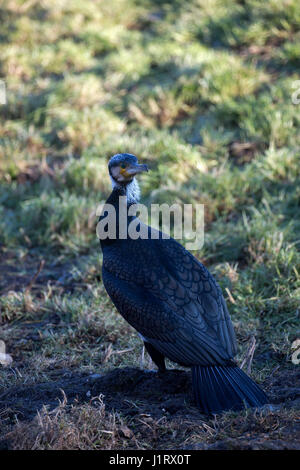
x=201 y=92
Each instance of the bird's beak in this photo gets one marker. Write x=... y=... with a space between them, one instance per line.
x=134 y=169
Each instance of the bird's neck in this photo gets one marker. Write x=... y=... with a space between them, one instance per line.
x=131 y=191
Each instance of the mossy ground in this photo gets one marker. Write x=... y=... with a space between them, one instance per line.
x=202 y=92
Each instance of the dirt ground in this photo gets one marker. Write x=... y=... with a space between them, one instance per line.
x=140 y=396
x=134 y=392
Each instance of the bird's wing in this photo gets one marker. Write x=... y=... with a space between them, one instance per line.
x=173 y=301
x=195 y=283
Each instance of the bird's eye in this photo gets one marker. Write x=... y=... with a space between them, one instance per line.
x=123 y=165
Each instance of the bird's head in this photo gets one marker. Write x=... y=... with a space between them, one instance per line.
x=123 y=167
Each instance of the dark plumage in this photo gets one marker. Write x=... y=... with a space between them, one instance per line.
x=175 y=304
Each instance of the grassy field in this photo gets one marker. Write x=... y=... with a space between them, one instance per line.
x=202 y=92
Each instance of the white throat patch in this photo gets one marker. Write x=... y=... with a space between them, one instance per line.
x=132 y=190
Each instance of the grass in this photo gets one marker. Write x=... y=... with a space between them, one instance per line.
x=203 y=94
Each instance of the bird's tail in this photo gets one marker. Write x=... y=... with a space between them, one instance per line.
x=220 y=388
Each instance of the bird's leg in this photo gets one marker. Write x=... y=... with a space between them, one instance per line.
x=157 y=357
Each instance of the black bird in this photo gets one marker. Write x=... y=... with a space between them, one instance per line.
x=174 y=303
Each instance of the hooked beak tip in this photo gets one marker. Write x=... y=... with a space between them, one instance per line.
x=139 y=168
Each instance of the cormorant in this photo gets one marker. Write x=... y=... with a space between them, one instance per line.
x=174 y=303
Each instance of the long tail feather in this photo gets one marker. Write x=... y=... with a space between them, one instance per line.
x=220 y=388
